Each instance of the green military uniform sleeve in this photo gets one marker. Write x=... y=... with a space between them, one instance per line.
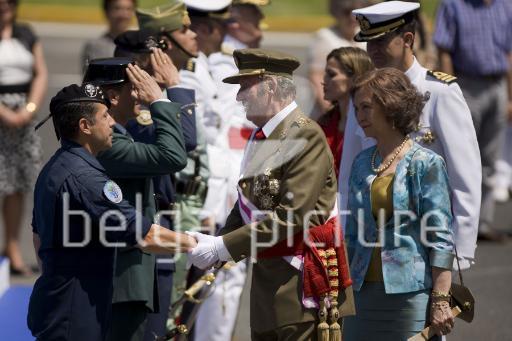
x=129 y=159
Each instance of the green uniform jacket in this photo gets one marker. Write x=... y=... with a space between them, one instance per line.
x=290 y=171
x=132 y=165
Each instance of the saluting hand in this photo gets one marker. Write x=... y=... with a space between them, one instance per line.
x=145 y=90
x=164 y=71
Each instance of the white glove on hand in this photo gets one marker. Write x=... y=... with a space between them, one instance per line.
x=209 y=250
x=465 y=263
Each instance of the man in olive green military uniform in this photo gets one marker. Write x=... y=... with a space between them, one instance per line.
x=287 y=182
x=133 y=165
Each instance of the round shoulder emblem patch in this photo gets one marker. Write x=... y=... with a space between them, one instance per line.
x=144 y=118
x=113 y=192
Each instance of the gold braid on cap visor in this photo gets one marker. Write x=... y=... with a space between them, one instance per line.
x=382 y=29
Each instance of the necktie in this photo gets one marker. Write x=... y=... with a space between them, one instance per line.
x=259 y=135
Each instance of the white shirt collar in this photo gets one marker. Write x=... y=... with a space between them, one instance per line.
x=414 y=71
x=202 y=58
x=272 y=124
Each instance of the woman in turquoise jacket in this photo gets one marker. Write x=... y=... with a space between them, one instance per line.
x=399 y=233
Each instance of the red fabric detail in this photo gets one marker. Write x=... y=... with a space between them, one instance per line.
x=316 y=279
x=259 y=135
x=238 y=137
x=333 y=135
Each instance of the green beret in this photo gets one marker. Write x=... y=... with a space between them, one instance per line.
x=169 y=17
x=254 y=62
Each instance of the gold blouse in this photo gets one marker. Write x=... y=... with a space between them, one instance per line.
x=382 y=198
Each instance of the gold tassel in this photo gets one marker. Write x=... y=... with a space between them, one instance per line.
x=323 y=327
x=334 y=314
x=334 y=327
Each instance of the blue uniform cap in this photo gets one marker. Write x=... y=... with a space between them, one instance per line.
x=107 y=71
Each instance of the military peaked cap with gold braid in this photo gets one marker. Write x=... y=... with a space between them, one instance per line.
x=383 y=18
x=169 y=17
x=254 y=62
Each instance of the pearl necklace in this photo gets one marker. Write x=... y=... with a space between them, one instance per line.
x=382 y=168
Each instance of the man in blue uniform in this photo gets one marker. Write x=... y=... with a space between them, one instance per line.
x=79 y=217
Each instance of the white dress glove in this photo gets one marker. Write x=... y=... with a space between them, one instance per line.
x=465 y=263
x=209 y=250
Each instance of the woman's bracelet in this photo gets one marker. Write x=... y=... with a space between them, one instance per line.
x=440 y=296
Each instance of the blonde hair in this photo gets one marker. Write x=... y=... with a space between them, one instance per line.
x=352 y=60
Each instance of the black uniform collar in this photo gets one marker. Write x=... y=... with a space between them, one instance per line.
x=80 y=151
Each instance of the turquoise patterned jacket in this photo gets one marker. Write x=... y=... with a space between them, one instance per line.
x=420 y=193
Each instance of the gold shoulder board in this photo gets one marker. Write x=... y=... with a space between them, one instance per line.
x=443 y=77
x=191 y=65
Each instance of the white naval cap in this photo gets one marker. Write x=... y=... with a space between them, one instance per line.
x=385 y=17
x=207 y=5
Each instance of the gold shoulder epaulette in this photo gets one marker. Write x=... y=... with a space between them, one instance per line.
x=302 y=121
x=191 y=65
x=443 y=77
x=144 y=118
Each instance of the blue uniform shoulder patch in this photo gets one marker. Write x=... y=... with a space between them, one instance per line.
x=113 y=192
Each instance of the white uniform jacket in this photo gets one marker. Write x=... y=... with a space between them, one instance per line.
x=210 y=115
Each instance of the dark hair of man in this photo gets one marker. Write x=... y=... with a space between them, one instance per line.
x=409 y=27
x=66 y=119
x=401 y=102
x=108 y=3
